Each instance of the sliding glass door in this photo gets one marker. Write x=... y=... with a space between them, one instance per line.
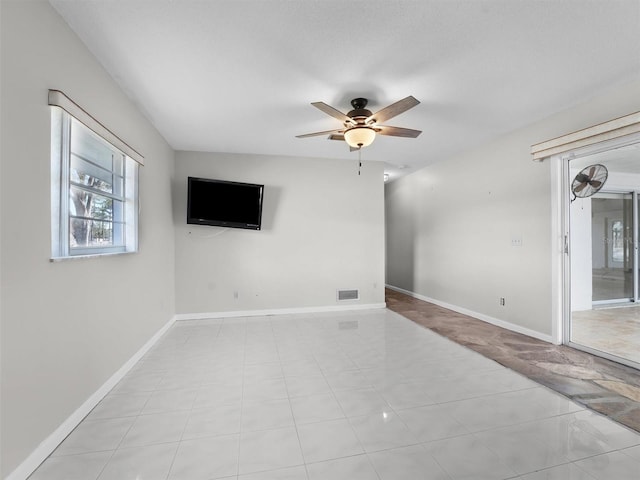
x=612 y=267
x=602 y=248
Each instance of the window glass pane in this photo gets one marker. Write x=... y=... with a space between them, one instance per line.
x=90 y=175
x=101 y=208
x=90 y=205
x=88 y=145
x=94 y=233
x=90 y=233
x=617 y=241
x=611 y=247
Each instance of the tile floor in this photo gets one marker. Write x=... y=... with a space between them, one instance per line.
x=348 y=396
x=606 y=387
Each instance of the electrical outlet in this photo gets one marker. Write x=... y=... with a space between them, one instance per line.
x=502 y=301
x=516 y=240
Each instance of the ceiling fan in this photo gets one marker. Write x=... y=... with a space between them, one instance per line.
x=589 y=181
x=361 y=126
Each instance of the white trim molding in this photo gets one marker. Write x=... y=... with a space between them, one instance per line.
x=277 y=311
x=48 y=445
x=479 y=316
x=59 y=99
x=619 y=127
x=559 y=245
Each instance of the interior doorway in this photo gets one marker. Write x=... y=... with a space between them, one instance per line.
x=604 y=314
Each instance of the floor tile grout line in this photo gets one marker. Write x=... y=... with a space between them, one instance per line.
x=396 y=303
x=421 y=445
x=348 y=419
x=140 y=414
x=498 y=454
x=293 y=418
x=113 y=453
x=345 y=345
x=175 y=455
x=242 y=401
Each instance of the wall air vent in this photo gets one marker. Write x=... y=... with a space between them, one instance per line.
x=348 y=295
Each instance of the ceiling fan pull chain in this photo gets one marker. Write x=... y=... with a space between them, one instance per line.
x=359 y=160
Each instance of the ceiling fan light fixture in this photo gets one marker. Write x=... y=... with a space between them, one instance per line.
x=358 y=137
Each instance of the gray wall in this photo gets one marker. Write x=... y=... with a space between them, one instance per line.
x=67 y=327
x=450 y=225
x=323 y=229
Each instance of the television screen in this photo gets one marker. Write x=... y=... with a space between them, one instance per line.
x=224 y=204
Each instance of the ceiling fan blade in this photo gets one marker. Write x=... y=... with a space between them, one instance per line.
x=592 y=171
x=595 y=183
x=580 y=187
x=397 y=131
x=317 y=134
x=392 y=110
x=329 y=110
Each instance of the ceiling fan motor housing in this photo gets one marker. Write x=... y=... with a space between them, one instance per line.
x=359 y=112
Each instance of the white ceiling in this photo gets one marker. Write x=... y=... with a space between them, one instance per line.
x=239 y=76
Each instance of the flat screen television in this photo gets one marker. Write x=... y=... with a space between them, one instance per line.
x=224 y=204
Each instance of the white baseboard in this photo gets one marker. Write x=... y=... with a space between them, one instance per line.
x=278 y=311
x=480 y=316
x=40 y=454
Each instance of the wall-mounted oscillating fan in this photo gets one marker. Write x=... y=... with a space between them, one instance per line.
x=589 y=181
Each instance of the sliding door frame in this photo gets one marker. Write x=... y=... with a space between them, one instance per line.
x=560 y=242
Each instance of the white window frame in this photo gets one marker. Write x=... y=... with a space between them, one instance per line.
x=61 y=183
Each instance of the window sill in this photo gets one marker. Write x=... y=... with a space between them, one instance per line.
x=86 y=257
